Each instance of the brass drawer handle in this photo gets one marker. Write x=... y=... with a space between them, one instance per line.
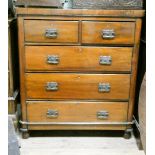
x=51 y=33
x=53 y=59
x=108 y=34
x=52 y=86
x=105 y=60
x=104 y=87
x=52 y=113
x=102 y=115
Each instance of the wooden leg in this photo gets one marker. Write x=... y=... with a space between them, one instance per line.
x=127 y=133
x=25 y=135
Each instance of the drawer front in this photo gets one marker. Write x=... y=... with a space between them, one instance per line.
x=108 y=32
x=77 y=86
x=77 y=111
x=65 y=58
x=51 y=31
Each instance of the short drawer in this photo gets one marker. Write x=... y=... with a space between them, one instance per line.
x=51 y=31
x=60 y=111
x=66 y=58
x=77 y=86
x=108 y=32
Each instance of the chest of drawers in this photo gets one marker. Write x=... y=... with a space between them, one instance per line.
x=78 y=68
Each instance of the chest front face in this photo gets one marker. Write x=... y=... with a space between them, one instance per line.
x=78 y=68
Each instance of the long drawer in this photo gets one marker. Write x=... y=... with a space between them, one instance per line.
x=108 y=32
x=76 y=111
x=74 y=58
x=51 y=31
x=77 y=86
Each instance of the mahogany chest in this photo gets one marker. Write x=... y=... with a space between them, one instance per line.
x=78 y=68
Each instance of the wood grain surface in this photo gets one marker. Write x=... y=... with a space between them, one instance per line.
x=75 y=58
x=76 y=111
x=78 y=27
x=35 y=31
x=21 y=68
x=92 y=32
x=134 y=69
x=79 y=12
x=77 y=86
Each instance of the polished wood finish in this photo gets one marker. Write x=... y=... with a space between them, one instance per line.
x=21 y=71
x=81 y=86
x=92 y=32
x=76 y=111
x=76 y=127
x=134 y=69
x=79 y=12
x=67 y=31
x=80 y=18
x=78 y=81
x=83 y=58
